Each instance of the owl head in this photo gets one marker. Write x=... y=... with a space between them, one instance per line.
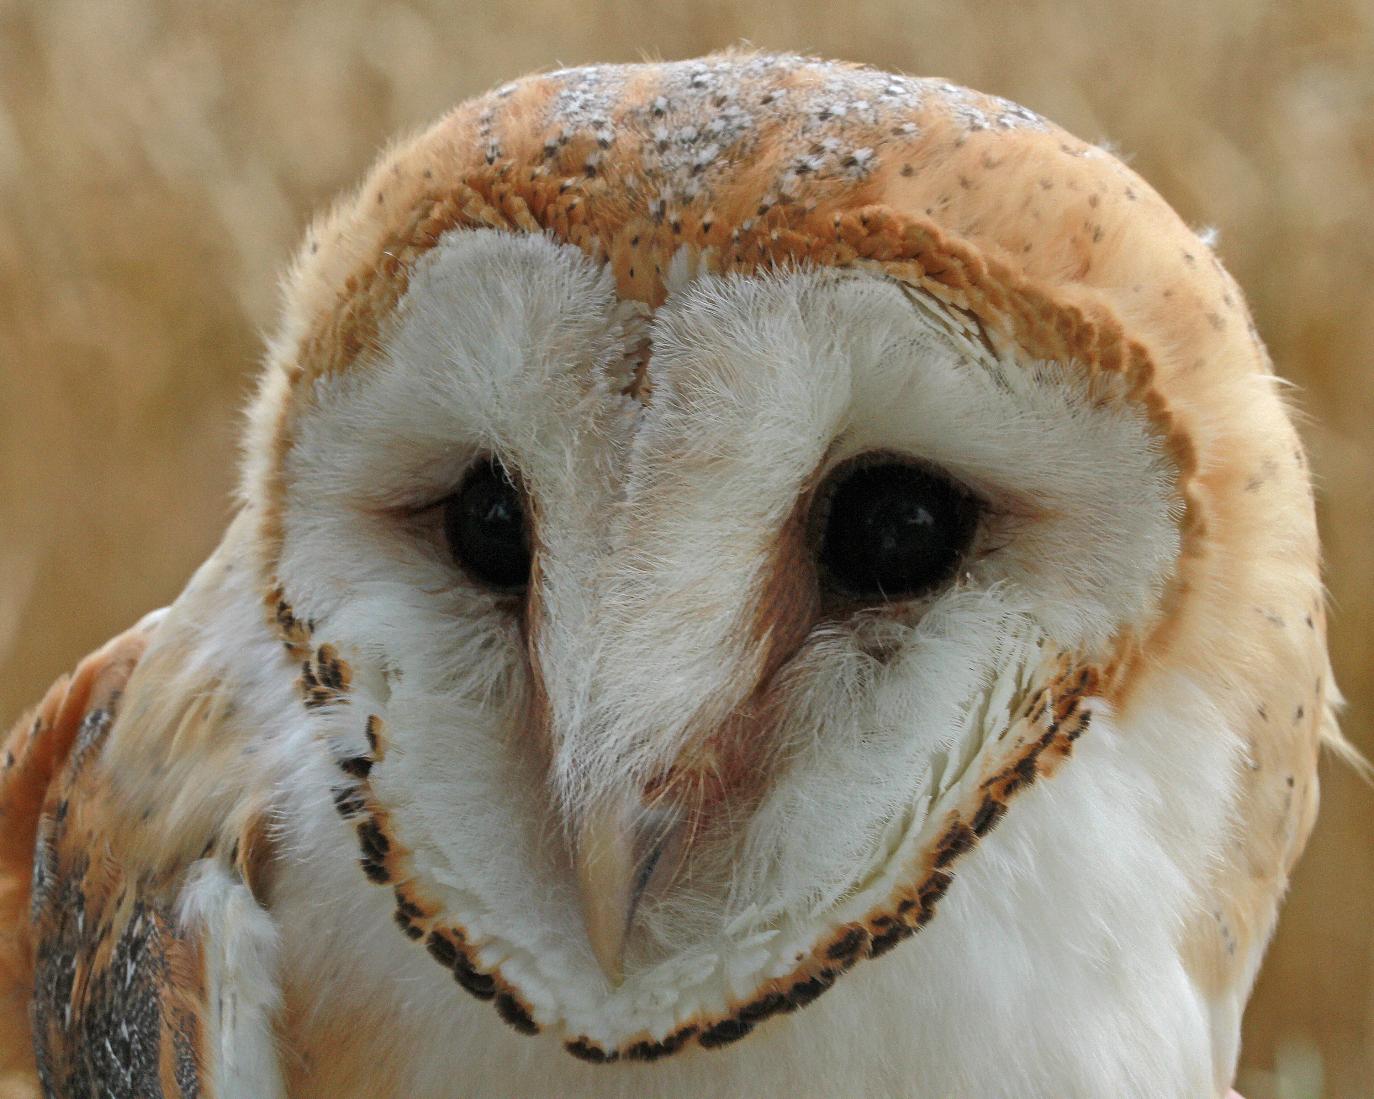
x=723 y=518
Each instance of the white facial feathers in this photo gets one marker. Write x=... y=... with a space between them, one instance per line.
x=656 y=529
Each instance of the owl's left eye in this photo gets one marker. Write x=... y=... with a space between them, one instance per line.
x=486 y=529
x=893 y=530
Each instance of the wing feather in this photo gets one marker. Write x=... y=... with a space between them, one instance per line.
x=115 y=968
x=36 y=750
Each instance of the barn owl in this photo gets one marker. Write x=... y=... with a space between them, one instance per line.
x=753 y=576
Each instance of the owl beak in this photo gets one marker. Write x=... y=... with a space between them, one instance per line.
x=619 y=847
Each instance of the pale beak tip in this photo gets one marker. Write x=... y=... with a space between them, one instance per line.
x=617 y=852
x=610 y=955
x=605 y=873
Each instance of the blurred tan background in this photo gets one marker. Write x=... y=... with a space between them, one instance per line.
x=158 y=162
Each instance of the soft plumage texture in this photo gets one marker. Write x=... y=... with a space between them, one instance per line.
x=1200 y=757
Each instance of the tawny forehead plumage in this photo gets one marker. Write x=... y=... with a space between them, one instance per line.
x=680 y=132
x=755 y=161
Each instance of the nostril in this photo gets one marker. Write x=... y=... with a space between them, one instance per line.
x=656 y=833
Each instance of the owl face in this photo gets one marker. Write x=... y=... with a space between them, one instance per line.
x=678 y=638
x=700 y=501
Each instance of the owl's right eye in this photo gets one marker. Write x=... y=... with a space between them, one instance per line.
x=486 y=529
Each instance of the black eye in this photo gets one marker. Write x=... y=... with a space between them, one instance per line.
x=893 y=530
x=484 y=522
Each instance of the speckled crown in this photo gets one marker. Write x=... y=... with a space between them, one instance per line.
x=753 y=161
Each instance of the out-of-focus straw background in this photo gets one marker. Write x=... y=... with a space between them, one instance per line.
x=158 y=161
